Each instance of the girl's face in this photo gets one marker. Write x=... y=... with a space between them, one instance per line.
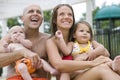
x=64 y=18
x=82 y=33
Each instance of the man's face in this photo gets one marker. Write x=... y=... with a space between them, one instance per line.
x=32 y=17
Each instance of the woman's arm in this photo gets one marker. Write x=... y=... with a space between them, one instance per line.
x=68 y=65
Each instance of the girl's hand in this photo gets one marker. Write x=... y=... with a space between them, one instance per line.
x=91 y=55
x=58 y=34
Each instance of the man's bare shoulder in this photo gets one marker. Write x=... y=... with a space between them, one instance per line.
x=44 y=35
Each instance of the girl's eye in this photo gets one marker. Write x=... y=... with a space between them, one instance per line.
x=21 y=32
x=88 y=31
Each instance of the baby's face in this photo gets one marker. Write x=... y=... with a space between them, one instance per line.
x=17 y=33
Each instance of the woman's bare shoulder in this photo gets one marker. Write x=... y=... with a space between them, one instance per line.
x=50 y=39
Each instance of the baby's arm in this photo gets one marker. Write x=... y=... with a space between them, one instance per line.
x=47 y=67
x=98 y=50
x=66 y=49
x=26 y=43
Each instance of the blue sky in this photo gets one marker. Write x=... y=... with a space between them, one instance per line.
x=79 y=12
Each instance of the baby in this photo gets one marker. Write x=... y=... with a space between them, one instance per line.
x=15 y=40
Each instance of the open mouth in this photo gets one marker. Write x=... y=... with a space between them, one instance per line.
x=34 y=19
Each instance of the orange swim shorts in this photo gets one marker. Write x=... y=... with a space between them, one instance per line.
x=27 y=62
x=20 y=78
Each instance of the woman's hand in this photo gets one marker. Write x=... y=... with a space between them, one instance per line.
x=101 y=60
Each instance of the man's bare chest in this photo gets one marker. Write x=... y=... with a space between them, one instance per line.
x=40 y=49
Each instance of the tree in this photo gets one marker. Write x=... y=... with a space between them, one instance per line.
x=12 y=22
x=47 y=15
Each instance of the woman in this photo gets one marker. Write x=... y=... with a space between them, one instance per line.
x=63 y=19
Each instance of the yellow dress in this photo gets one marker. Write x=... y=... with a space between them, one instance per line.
x=77 y=49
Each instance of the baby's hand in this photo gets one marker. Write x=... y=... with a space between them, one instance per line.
x=58 y=34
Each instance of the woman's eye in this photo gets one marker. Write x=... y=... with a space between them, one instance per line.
x=70 y=14
x=81 y=30
x=61 y=14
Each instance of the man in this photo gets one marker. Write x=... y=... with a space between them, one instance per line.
x=32 y=19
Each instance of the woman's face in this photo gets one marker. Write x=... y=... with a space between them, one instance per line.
x=64 y=18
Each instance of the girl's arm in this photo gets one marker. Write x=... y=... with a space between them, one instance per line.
x=65 y=48
x=100 y=49
x=68 y=65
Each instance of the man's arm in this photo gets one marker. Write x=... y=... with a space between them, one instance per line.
x=8 y=58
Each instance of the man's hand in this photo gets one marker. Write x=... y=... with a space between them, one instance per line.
x=34 y=57
x=36 y=61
